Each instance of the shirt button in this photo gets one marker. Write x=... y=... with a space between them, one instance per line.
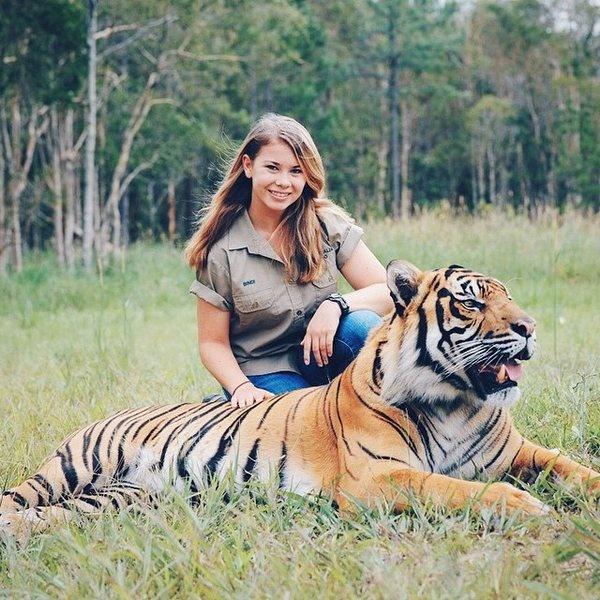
x=298 y=312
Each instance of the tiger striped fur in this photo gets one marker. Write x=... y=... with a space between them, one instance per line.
x=422 y=412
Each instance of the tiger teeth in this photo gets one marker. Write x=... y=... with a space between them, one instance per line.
x=502 y=375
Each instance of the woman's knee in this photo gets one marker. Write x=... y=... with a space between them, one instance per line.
x=279 y=382
x=355 y=327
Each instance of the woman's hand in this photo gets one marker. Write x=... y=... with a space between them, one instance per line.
x=246 y=394
x=320 y=333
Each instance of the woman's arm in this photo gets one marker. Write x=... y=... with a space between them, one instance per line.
x=367 y=276
x=217 y=357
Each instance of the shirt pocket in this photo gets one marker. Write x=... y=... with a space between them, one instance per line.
x=326 y=280
x=255 y=309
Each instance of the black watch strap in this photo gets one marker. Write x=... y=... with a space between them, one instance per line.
x=340 y=301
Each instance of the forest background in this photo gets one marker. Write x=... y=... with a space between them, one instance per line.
x=116 y=116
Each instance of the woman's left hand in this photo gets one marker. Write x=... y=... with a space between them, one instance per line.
x=320 y=333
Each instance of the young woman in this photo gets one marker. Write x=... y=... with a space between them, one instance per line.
x=267 y=255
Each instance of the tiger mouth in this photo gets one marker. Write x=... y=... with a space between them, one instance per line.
x=491 y=378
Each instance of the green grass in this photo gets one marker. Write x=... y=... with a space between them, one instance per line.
x=73 y=349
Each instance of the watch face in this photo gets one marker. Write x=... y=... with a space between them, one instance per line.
x=340 y=301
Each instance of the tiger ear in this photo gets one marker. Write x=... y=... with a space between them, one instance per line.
x=403 y=280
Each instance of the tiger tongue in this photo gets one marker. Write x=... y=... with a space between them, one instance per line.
x=514 y=371
x=508 y=372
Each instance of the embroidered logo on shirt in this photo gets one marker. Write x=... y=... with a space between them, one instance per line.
x=248 y=282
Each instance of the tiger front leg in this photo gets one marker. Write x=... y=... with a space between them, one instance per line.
x=398 y=487
x=531 y=460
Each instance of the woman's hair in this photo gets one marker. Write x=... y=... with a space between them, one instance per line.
x=300 y=229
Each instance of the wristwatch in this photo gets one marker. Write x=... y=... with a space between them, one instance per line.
x=340 y=301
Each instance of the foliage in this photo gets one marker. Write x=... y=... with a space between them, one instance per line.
x=76 y=348
x=492 y=102
x=42 y=49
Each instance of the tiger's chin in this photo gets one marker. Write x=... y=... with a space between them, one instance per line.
x=503 y=398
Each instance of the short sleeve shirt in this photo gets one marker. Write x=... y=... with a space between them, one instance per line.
x=268 y=314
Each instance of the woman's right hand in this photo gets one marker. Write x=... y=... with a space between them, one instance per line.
x=248 y=394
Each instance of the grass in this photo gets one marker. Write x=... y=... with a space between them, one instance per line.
x=73 y=349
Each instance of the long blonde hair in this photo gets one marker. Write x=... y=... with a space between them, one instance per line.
x=301 y=232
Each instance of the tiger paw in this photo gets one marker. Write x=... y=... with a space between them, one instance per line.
x=583 y=481
x=513 y=500
x=12 y=525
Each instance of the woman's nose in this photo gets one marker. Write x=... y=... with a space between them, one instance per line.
x=283 y=179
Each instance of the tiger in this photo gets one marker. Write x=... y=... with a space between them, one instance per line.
x=421 y=414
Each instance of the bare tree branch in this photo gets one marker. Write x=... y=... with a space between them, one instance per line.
x=210 y=57
x=108 y=31
x=131 y=176
x=140 y=31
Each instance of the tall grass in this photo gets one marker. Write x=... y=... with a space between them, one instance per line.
x=73 y=349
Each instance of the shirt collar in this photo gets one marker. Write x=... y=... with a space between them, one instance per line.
x=243 y=235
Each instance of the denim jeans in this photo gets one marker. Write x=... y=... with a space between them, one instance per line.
x=349 y=339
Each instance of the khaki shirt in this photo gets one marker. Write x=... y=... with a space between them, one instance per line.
x=269 y=316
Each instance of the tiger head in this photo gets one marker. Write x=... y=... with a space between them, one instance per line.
x=462 y=336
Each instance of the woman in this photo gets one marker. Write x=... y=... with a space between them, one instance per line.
x=267 y=255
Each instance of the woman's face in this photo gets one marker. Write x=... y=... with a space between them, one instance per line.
x=277 y=178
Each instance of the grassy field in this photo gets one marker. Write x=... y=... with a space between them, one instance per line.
x=74 y=349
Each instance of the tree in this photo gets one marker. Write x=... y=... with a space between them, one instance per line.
x=90 y=141
x=492 y=144
x=416 y=39
x=40 y=57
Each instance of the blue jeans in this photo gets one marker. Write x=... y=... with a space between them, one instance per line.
x=347 y=343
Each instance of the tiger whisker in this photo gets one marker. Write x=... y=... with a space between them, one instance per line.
x=475 y=354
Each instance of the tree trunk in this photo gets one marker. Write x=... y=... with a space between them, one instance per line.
x=474 y=187
x=523 y=187
x=394 y=152
x=478 y=151
x=20 y=159
x=17 y=240
x=69 y=187
x=56 y=185
x=125 y=220
x=574 y=195
x=393 y=113
x=4 y=237
x=491 y=161
x=90 y=143
x=172 y=212
x=383 y=150
x=550 y=192
x=405 y=201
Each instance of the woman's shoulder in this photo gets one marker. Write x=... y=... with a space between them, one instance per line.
x=329 y=211
x=217 y=254
x=236 y=231
x=335 y=220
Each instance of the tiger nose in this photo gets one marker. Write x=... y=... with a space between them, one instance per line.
x=524 y=326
